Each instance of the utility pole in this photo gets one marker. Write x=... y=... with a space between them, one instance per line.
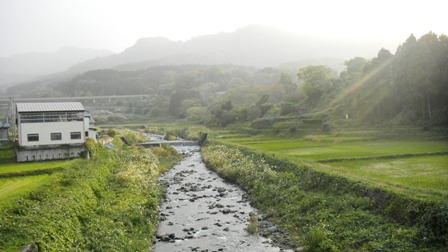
x=12 y=114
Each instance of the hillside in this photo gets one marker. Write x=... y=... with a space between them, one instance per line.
x=23 y=67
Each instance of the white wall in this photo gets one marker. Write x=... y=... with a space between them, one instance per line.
x=45 y=129
x=86 y=123
x=90 y=132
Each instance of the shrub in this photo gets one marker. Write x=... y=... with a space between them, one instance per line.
x=133 y=137
x=170 y=136
x=316 y=240
x=326 y=127
x=252 y=227
x=262 y=123
x=92 y=147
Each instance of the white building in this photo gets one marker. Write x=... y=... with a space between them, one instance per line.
x=52 y=130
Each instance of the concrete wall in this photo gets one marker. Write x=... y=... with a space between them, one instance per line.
x=62 y=152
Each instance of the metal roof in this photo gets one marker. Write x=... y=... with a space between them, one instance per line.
x=49 y=107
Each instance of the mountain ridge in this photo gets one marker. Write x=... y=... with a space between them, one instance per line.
x=26 y=66
x=254 y=45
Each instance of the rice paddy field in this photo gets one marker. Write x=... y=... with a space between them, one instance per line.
x=417 y=167
x=423 y=175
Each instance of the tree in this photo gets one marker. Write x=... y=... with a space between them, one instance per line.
x=420 y=75
x=285 y=89
x=316 y=81
x=354 y=70
x=197 y=114
x=355 y=65
x=227 y=105
x=182 y=100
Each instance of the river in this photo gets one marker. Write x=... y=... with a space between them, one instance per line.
x=202 y=212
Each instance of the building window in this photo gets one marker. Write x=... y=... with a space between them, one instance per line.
x=86 y=134
x=51 y=117
x=56 y=136
x=33 y=137
x=75 y=135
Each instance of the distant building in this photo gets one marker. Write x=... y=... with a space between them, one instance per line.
x=52 y=130
x=4 y=126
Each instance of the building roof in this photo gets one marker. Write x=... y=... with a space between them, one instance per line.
x=49 y=107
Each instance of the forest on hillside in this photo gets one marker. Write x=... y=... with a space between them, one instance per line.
x=408 y=87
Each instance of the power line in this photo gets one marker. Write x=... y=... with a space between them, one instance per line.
x=78 y=98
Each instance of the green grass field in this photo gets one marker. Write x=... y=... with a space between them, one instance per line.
x=12 y=167
x=16 y=186
x=12 y=185
x=401 y=165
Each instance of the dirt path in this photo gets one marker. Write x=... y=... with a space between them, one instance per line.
x=202 y=212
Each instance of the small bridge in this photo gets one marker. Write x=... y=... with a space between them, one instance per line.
x=172 y=143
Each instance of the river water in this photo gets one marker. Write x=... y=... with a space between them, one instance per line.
x=202 y=212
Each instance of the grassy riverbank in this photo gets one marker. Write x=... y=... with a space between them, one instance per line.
x=328 y=212
x=108 y=203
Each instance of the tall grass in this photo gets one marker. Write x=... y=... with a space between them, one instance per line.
x=6 y=153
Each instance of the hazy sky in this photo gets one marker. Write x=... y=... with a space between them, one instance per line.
x=47 y=25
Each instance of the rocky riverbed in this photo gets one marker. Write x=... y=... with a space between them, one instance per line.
x=202 y=212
